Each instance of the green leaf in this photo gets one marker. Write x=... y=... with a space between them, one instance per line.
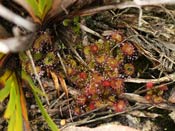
x=27 y=78
x=48 y=5
x=5 y=76
x=49 y=121
x=34 y=5
x=15 y=124
x=36 y=91
x=11 y=123
x=19 y=121
x=44 y=6
x=66 y=22
x=11 y=104
x=13 y=110
x=76 y=19
x=5 y=91
x=40 y=7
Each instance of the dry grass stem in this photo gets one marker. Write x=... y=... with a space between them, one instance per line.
x=36 y=74
x=86 y=29
x=167 y=78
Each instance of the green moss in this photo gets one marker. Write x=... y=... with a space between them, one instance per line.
x=49 y=59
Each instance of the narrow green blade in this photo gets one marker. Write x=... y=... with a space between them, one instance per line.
x=49 y=121
x=11 y=123
x=11 y=104
x=28 y=79
x=5 y=91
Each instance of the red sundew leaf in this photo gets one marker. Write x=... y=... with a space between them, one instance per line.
x=149 y=85
x=117 y=36
x=117 y=83
x=157 y=99
x=82 y=75
x=92 y=89
x=92 y=106
x=94 y=48
x=106 y=83
x=97 y=78
x=128 y=49
x=163 y=87
x=81 y=100
x=148 y=97
x=129 y=69
x=100 y=59
x=119 y=106
x=112 y=62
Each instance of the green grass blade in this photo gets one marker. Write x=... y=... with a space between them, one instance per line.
x=13 y=110
x=44 y=6
x=6 y=79
x=11 y=104
x=5 y=91
x=28 y=79
x=19 y=122
x=11 y=123
x=47 y=6
x=34 y=5
x=40 y=7
x=36 y=91
x=47 y=118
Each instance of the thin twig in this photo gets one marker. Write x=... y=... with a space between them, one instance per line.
x=134 y=97
x=166 y=78
x=143 y=102
x=87 y=113
x=106 y=7
x=85 y=28
x=62 y=63
x=82 y=122
x=155 y=87
x=140 y=16
x=84 y=34
x=78 y=57
x=36 y=74
x=153 y=2
x=56 y=101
